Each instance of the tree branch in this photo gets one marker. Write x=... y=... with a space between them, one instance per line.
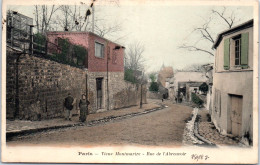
x=194 y=48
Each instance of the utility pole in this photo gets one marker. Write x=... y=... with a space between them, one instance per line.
x=93 y=18
x=87 y=90
x=108 y=55
x=141 y=99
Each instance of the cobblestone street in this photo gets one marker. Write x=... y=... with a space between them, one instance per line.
x=163 y=127
x=208 y=131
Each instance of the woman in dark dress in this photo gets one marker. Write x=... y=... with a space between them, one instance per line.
x=83 y=105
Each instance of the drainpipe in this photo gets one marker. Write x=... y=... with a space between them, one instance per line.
x=107 y=83
x=87 y=90
x=141 y=100
x=31 y=40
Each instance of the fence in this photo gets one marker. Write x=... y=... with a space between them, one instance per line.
x=20 y=36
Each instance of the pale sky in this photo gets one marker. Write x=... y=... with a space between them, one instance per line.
x=162 y=29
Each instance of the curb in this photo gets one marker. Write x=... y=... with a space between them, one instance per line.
x=11 y=134
x=91 y=123
x=197 y=135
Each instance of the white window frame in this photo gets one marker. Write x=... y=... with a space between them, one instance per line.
x=238 y=51
x=96 y=50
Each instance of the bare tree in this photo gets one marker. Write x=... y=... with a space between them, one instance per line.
x=72 y=19
x=206 y=32
x=194 y=68
x=229 y=20
x=102 y=28
x=43 y=16
x=134 y=56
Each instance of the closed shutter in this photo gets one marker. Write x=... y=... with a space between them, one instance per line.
x=226 y=53
x=244 y=50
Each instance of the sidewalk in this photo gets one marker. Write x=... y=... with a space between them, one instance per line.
x=18 y=127
x=207 y=130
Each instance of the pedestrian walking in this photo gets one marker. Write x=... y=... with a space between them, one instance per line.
x=68 y=104
x=181 y=97
x=83 y=105
x=176 y=99
x=162 y=97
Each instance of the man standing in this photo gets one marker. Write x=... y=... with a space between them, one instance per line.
x=68 y=104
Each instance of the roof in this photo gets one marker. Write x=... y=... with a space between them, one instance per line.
x=82 y=32
x=237 y=28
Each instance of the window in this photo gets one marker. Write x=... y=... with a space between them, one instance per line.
x=236 y=52
x=237 y=41
x=99 y=50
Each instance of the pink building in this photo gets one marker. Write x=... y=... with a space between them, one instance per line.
x=104 y=62
x=102 y=54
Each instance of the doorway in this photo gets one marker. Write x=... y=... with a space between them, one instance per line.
x=236 y=114
x=99 y=92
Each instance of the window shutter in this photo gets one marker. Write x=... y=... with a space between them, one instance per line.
x=226 y=53
x=244 y=50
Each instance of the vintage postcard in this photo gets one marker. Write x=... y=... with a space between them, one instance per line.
x=130 y=81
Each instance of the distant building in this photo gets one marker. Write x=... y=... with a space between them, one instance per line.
x=164 y=76
x=18 y=30
x=233 y=82
x=187 y=82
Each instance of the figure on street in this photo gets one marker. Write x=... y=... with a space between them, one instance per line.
x=83 y=105
x=68 y=104
x=181 y=97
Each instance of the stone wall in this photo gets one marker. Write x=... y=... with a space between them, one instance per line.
x=119 y=93
x=154 y=95
x=11 y=58
x=129 y=96
x=41 y=87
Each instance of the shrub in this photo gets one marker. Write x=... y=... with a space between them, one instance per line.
x=154 y=87
x=203 y=87
x=129 y=75
x=196 y=99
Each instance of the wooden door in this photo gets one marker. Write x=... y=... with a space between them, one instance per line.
x=236 y=115
x=99 y=92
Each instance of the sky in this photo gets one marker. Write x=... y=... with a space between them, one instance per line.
x=162 y=29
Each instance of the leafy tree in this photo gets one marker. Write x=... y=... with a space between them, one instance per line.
x=152 y=77
x=154 y=87
x=129 y=75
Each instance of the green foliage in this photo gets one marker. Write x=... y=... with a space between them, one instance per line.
x=80 y=53
x=39 y=39
x=129 y=75
x=69 y=54
x=40 y=42
x=196 y=99
x=152 y=77
x=203 y=87
x=154 y=87
x=73 y=55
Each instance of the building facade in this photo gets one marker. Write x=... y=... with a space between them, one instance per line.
x=232 y=107
x=187 y=82
x=104 y=62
